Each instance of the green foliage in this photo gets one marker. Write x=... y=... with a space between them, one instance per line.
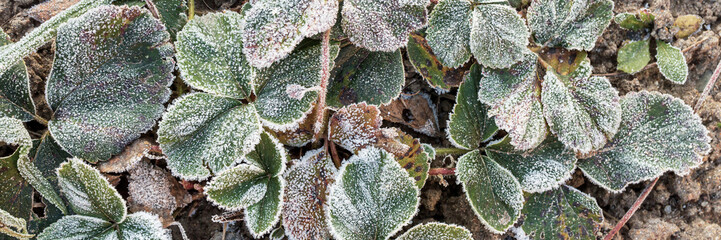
x=498 y=35
x=12 y=226
x=564 y=212
x=469 y=124
x=382 y=25
x=436 y=231
x=173 y=15
x=671 y=62
x=15 y=191
x=449 y=31
x=569 y=24
x=634 y=56
x=15 y=101
x=634 y=22
x=427 y=64
x=360 y=75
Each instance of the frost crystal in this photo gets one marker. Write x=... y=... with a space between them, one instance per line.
x=201 y=133
x=355 y=127
x=12 y=226
x=305 y=198
x=15 y=192
x=498 y=35
x=469 y=124
x=633 y=56
x=273 y=28
x=658 y=133
x=109 y=80
x=238 y=187
x=89 y=193
x=436 y=231
x=140 y=225
x=492 y=191
x=449 y=30
x=172 y=14
x=382 y=25
x=515 y=100
x=570 y=24
x=671 y=62
x=372 y=198
x=15 y=98
x=583 y=111
x=564 y=211
x=210 y=57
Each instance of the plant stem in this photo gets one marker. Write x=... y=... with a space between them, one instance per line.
x=334 y=154
x=442 y=171
x=152 y=8
x=631 y=211
x=40 y=119
x=709 y=87
x=451 y=151
x=191 y=9
x=11 y=54
x=324 y=75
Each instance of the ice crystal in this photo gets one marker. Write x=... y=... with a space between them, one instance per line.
x=203 y=134
x=273 y=28
x=564 y=211
x=658 y=133
x=110 y=78
x=263 y=215
x=436 y=231
x=515 y=100
x=382 y=25
x=494 y=194
x=449 y=31
x=210 y=57
x=13 y=226
x=429 y=67
x=172 y=14
x=469 y=124
x=140 y=225
x=143 y=225
x=355 y=126
x=89 y=193
x=498 y=35
x=634 y=56
x=569 y=24
x=360 y=75
x=372 y=198
x=671 y=62
x=15 y=98
x=305 y=199
x=583 y=111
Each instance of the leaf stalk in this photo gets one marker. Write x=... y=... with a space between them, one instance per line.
x=451 y=151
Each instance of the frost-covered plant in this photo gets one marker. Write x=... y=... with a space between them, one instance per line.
x=634 y=55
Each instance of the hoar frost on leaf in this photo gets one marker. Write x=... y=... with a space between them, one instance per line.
x=13 y=226
x=15 y=98
x=89 y=193
x=469 y=124
x=658 y=133
x=671 y=62
x=436 y=231
x=15 y=192
x=109 y=80
x=570 y=24
x=449 y=31
x=173 y=15
x=355 y=126
x=382 y=25
x=272 y=29
x=140 y=225
x=426 y=63
x=498 y=35
x=564 y=212
x=372 y=198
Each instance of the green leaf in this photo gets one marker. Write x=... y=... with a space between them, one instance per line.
x=203 y=134
x=277 y=108
x=268 y=155
x=382 y=25
x=671 y=62
x=48 y=157
x=495 y=195
x=449 y=31
x=469 y=124
x=436 y=231
x=564 y=213
x=634 y=56
x=629 y=21
x=427 y=65
x=360 y=75
x=15 y=192
x=413 y=157
x=305 y=197
x=32 y=175
x=273 y=28
x=372 y=198
x=569 y=24
x=263 y=215
x=15 y=98
x=210 y=57
x=541 y=169
x=140 y=225
x=238 y=187
x=658 y=133
x=514 y=96
x=12 y=226
x=499 y=35
x=583 y=111
x=89 y=193
x=173 y=15
x=110 y=78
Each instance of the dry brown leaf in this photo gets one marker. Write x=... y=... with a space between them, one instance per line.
x=132 y=154
x=155 y=190
x=44 y=11
x=415 y=111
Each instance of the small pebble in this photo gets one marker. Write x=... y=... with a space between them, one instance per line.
x=704 y=204
x=667 y=209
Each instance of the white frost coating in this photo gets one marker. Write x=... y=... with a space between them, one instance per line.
x=573 y=25
x=372 y=198
x=449 y=30
x=12 y=131
x=15 y=100
x=262 y=216
x=469 y=124
x=436 y=231
x=671 y=62
x=13 y=226
x=499 y=35
x=89 y=193
x=140 y=225
x=273 y=28
x=143 y=225
x=355 y=126
x=382 y=25
x=237 y=188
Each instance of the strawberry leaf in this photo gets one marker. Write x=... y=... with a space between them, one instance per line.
x=15 y=101
x=355 y=126
x=569 y=24
x=15 y=191
x=429 y=67
x=671 y=62
x=12 y=226
x=564 y=211
x=469 y=124
x=634 y=56
x=140 y=225
x=498 y=35
x=89 y=193
x=172 y=14
x=436 y=231
x=449 y=31
x=382 y=25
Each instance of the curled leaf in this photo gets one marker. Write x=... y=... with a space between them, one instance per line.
x=12 y=226
x=382 y=25
x=564 y=212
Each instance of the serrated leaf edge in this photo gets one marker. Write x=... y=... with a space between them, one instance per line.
x=278 y=213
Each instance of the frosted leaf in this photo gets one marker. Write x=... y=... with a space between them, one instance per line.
x=238 y=187
x=306 y=196
x=48 y=157
x=409 y=153
x=32 y=175
x=276 y=108
x=203 y=134
x=564 y=212
x=498 y=35
x=449 y=31
x=469 y=124
x=634 y=56
x=143 y=225
x=172 y=14
x=210 y=57
x=268 y=155
x=671 y=62
x=630 y=21
x=140 y=225
x=494 y=194
x=12 y=226
x=12 y=131
x=273 y=28
x=430 y=150
x=15 y=98
x=15 y=192
x=263 y=215
x=110 y=78
x=658 y=133
x=355 y=126
x=543 y=168
x=515 y=100
x=303 y=134
x=436 y=231
x=569 y=24
x=277 y=234
x=372 y=198
x=382 y=25
x=89 y=193
x=360 y=75
x=583 y=111
x=429 y=67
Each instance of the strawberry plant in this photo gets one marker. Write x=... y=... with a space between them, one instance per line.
x=278 y=116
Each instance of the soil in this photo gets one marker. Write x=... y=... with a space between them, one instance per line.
x=680 y=207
